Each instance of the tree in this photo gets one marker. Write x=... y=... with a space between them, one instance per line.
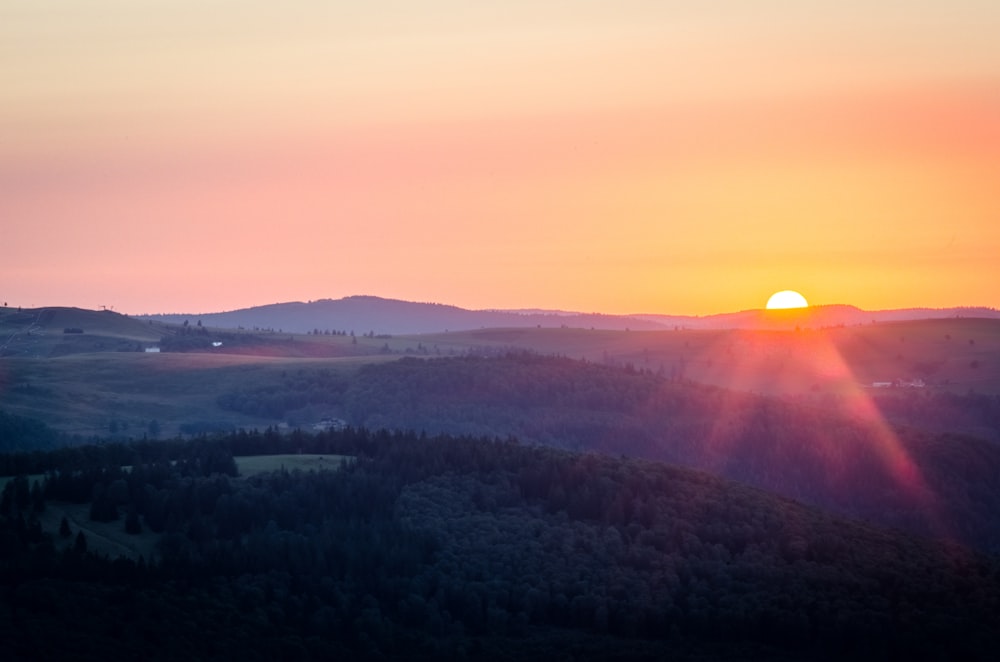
x=80 y=544
x=64 y=530
x=37 y=497
x=132 y=525
x=103 y=509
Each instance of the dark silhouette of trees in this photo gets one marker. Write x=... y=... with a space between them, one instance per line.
x=422 y=545
x=80 y=543
x=23 y=433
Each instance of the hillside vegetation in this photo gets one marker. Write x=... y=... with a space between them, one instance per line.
x=837 y=457
x=21 y=433
x=956 y=355
x=424 y=548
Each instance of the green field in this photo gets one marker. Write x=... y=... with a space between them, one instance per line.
x=106 y=538
x=254 y=465
x=87 y=394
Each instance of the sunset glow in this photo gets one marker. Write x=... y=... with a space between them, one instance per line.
x=641 y=157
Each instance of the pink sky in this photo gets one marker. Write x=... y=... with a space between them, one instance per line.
x=181 y=156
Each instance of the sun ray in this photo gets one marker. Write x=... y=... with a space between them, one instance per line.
x=845 y=449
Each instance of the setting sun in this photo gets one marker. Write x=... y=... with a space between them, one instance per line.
x=786 y=299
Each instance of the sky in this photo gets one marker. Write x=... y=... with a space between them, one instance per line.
x=654 y=156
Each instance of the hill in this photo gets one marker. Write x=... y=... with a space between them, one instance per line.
x=57 y=331
x=846 y=459
x=368 y=314
x=134 y=395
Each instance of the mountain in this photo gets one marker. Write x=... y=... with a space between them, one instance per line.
x=814 y=317
x=365 y=314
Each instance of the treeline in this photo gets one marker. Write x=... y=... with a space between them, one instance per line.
x=295 y=391
x=431 y=548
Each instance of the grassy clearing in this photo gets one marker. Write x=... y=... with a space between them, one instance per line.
x=105 y=538
x=253 y=465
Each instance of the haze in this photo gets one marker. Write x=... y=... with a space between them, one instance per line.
x=647 y=157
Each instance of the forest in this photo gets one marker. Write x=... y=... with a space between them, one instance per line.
x=24 y=433
x=423 y=547
x=889 y=468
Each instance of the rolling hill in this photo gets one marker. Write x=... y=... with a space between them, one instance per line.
x=365 y=314
x=58 y=331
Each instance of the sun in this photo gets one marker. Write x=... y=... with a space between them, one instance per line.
x=786 y=299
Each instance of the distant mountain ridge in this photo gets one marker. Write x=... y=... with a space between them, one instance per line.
x=366 y=314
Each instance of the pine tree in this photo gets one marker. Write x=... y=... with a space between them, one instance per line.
x=37 y=498
x=80 y=544
x=132 y=525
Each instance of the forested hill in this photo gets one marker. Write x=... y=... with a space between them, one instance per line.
x=456 y=548
x=854 y=464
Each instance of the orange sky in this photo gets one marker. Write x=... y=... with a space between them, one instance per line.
x=654 y=157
